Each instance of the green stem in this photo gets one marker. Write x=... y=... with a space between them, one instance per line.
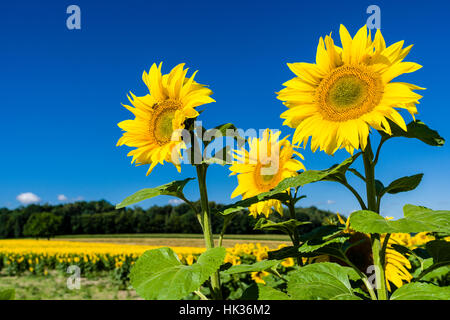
x=363 y=277
x=369 y=168
x=355 y=193
x=383 y=248
x=201 y=295
x=295 y=239
x=206 y=224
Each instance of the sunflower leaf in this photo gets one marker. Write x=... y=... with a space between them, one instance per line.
x=322 y=237
x=415 y=129
x=159 y=275
x=283 y=253
x=223 y=130
x=335 y=173
x=440 y=253
x=287 y=227
x=439 y=250
x=255 y=267
x=417 y=219
x=402 y=185
x=174 y=188
x=269 y=293
x=320 y=281
x=421 y=291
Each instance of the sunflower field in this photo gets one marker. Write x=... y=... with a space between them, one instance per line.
x=39 y=257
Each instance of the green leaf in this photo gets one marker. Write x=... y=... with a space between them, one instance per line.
x=174 y=188
x=379 y=187
x=415 y=129
x=283 y=253
x=417 y=219
x=269 y=293
x=421 y=291
x=335 y=173
x=255 y=267
x=440 y=253
x=403 y=184
x=321 y=237
x=329 y=240
x=222 y=129
x=321 y=281
x=158 y=274
x=287 y=227
x=7 y=294
x=439 y=250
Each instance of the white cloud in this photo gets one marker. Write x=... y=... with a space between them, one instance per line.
x=175 y=201
x=331 y=202
x=62 y=197
x=79 y=198
x=28 y=198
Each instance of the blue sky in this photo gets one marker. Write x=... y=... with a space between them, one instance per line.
x=61 y=90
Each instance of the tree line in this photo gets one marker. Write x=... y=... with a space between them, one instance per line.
x=101 y=217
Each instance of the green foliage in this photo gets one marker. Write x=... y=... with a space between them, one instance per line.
x=439 y=250
x=321 y=237
x=159 y=274
x=335 y=173
x=402 y=185
x=7 y=294
x=255 y=267
x=288 y=227
x=421 y=291
x=42 y=225
x=174 y=188
x=417 y=130
x=320 y=281
x=100 y=217
x=417 y=219
x=269 y=293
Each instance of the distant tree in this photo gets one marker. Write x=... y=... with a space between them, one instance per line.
x=101 y=217
x=42 y=225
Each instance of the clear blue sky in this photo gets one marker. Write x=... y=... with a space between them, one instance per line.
x=61 y=89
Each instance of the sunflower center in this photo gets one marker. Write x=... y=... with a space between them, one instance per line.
x=348 y=92
x=266 y=176
x=161 y=124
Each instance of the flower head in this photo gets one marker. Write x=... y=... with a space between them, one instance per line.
x=349 y=90
x=268 y=161
x=155 y=131
x=258 y=276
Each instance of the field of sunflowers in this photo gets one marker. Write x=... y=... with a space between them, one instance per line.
x=41 y=257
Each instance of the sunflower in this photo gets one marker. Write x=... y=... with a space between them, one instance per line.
x=268 y=161
x=337 y=100
x=258 y=276
x=396 y=264
x=160 y=115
